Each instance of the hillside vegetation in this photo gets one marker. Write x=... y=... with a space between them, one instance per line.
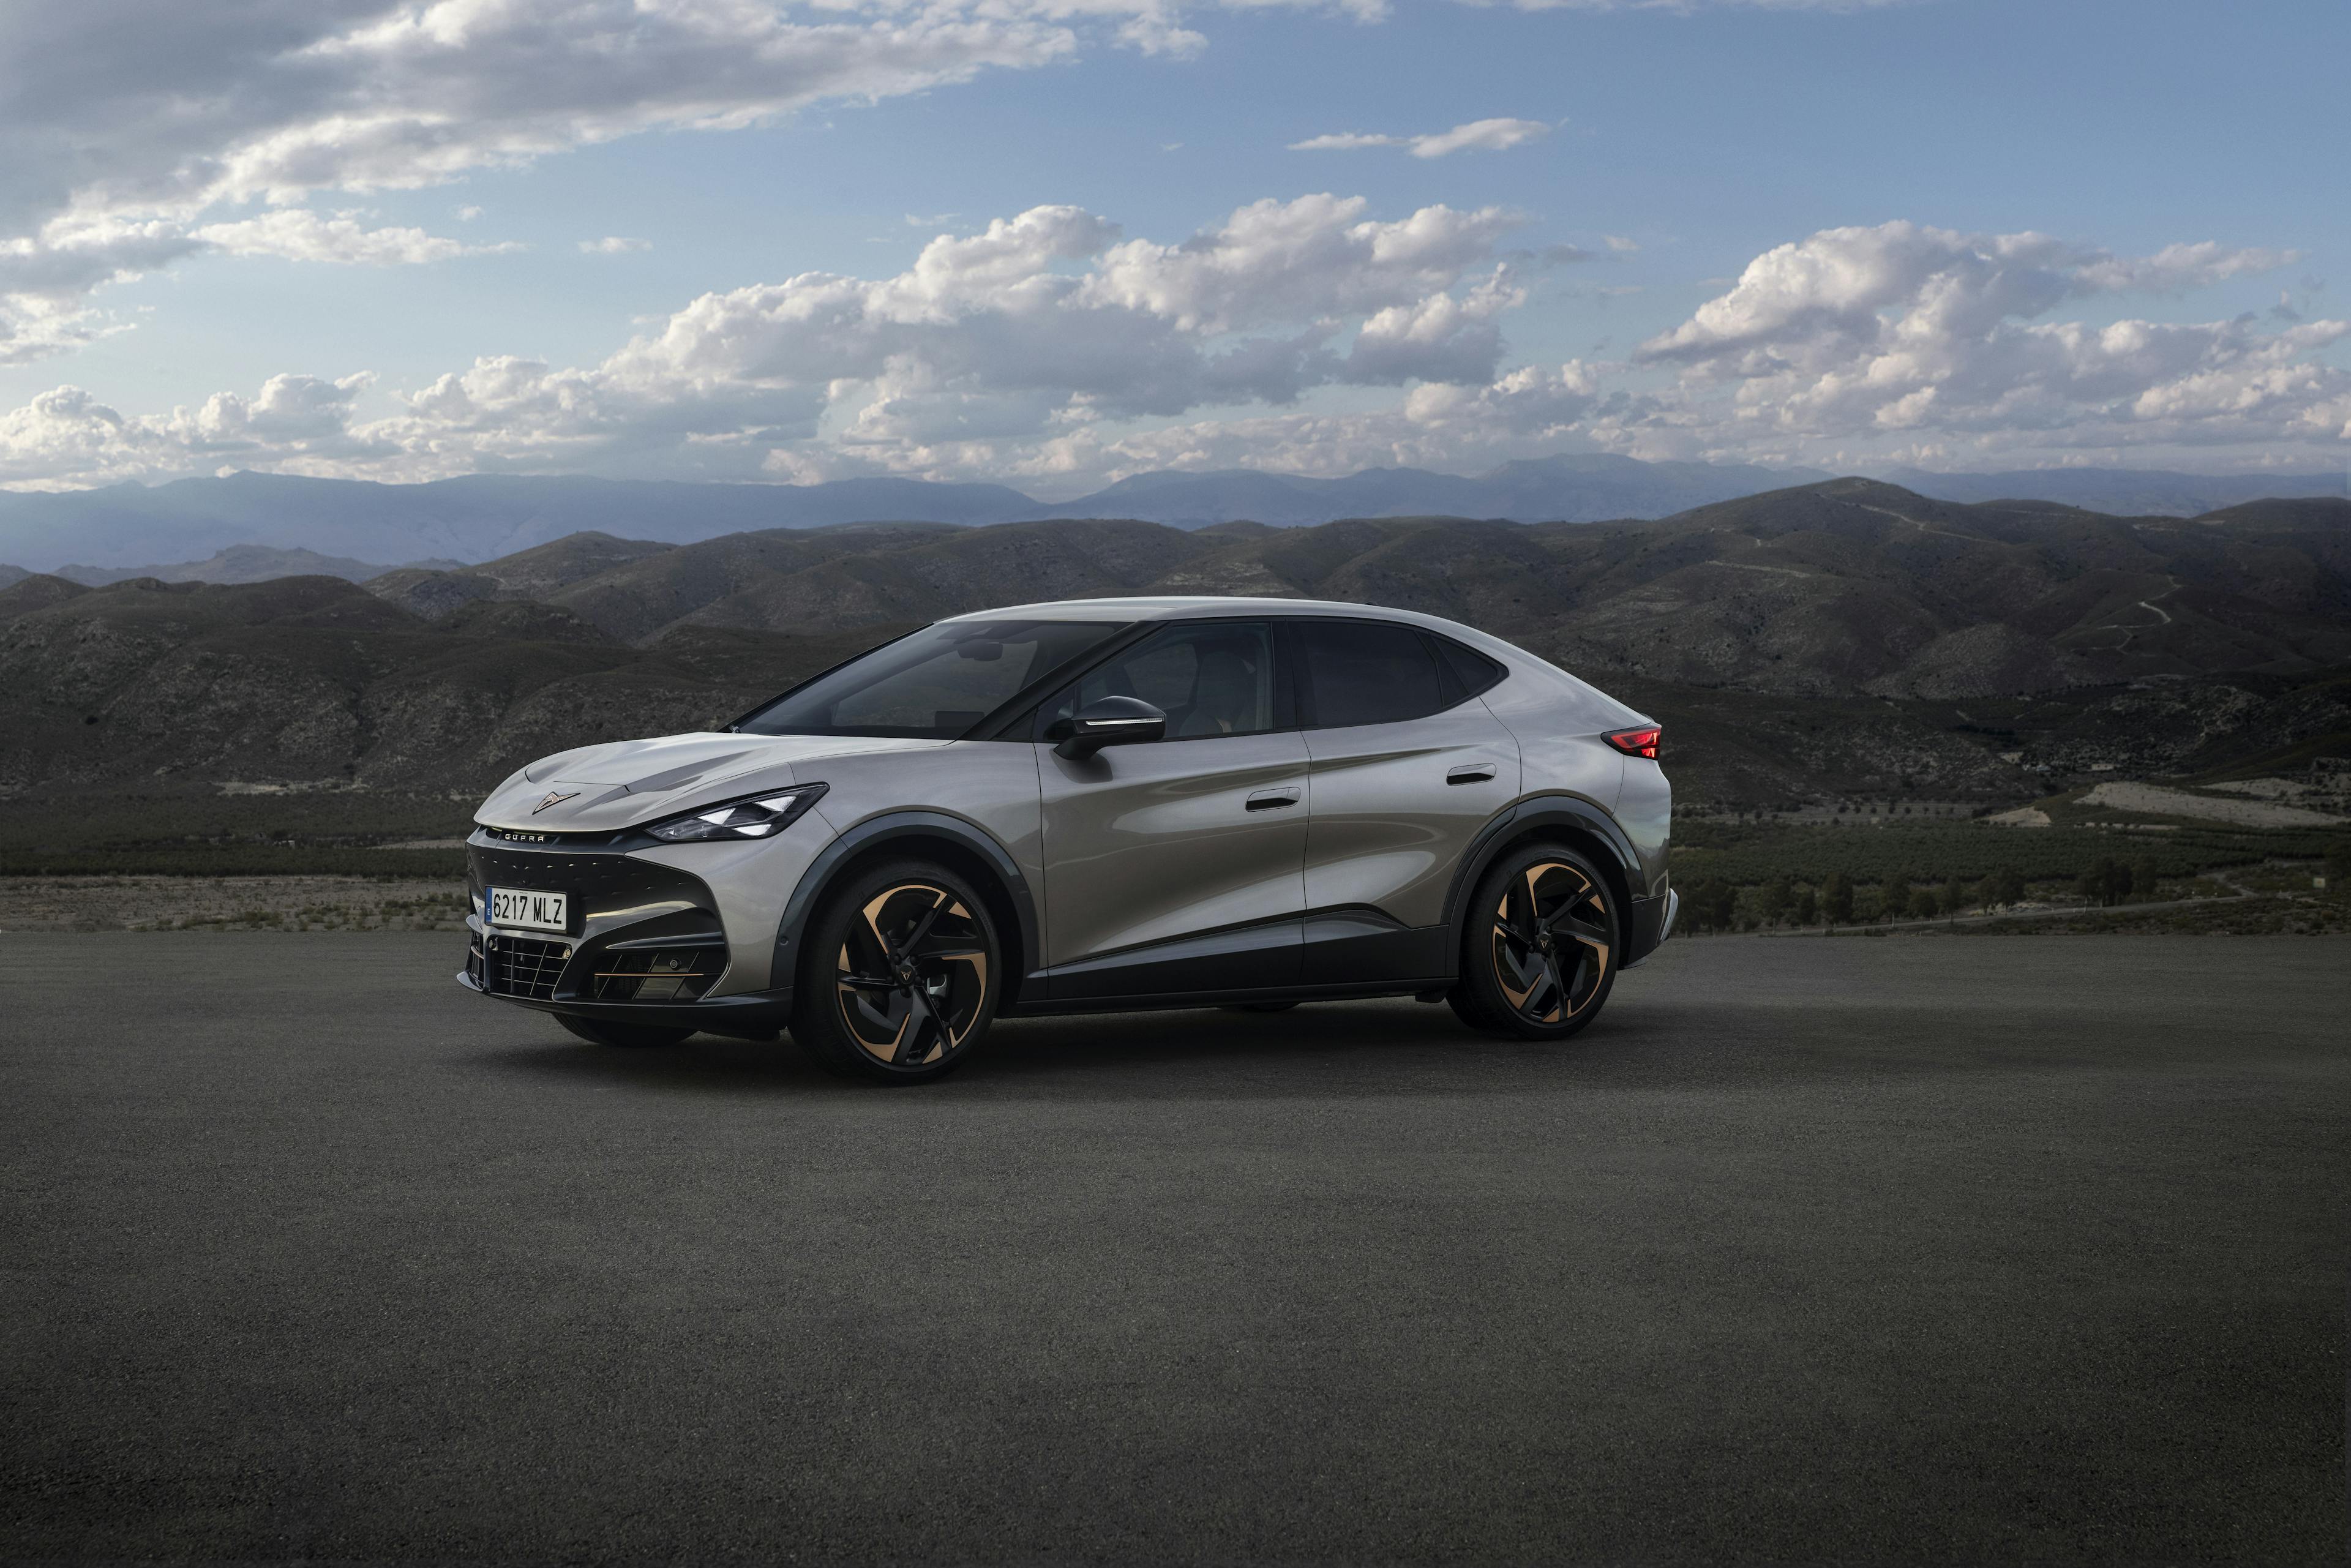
x=1834 y=640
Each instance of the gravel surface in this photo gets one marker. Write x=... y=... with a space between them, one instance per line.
x=1991 y=1250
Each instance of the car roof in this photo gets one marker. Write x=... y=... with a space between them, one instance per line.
x=1205 y=607
x=1197 y=607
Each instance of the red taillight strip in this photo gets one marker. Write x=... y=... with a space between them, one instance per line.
x=1636 y=742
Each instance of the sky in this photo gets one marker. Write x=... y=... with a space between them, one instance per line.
x=1053 y=243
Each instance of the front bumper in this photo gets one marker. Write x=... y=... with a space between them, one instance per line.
x=646 y=944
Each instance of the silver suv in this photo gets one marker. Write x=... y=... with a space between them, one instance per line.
x=1089 y=806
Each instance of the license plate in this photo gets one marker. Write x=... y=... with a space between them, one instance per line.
x=530 y=909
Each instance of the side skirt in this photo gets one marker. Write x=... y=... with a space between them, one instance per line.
x=1164 y=1001
x=1355 y=950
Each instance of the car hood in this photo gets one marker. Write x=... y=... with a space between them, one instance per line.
x=630 y=783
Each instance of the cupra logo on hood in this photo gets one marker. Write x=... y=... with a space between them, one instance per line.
x=552 y=798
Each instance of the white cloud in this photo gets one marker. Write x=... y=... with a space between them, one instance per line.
x=1347 y=141
x=613 y=245
x=1489 y=135
x=1043 y=323
x=1862 y=333
x=1621 y=246
x=150 y=118
x=1050 y=349
x=467 y=214
x=296 y=234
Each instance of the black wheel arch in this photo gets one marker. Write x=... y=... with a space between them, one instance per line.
x=1569 y=819
x=961 y=845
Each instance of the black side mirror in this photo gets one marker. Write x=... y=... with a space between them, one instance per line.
x=1113 y=721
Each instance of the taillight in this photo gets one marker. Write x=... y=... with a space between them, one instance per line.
x=1635 y=742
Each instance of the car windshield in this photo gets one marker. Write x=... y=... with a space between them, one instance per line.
x=933 y=686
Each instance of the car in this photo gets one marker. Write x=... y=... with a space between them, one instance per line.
x=1089 y=806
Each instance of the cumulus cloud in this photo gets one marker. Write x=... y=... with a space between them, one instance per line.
x=126 y=116
x=295 y=423
x=1489 y=135
x=1864 y=331
x=1053 y=348
x=1043 y=323
x=613 y=245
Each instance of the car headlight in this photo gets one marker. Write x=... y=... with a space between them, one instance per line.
x=760 y=817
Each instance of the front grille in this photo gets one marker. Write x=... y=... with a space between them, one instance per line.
x=517 y=966
x=663 y=975
x=527 y=836
x=600 y=880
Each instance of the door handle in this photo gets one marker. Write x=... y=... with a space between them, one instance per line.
x=1475 y=773
x=1268 y=799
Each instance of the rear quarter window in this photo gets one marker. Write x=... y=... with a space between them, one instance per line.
x=1471 y=671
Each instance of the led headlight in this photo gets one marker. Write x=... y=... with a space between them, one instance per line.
x=762 y=816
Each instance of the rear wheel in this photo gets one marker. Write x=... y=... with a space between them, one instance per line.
x=899 y=975
x=635 y=1035
x=1540 y=956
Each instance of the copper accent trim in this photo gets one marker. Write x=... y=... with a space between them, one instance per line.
x=1507 y=934
x=851 y=987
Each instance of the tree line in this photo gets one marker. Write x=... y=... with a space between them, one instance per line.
x=1716 y=905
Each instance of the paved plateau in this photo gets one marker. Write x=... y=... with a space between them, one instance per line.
x=2003 y=1250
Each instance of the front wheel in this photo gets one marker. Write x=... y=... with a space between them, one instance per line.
x=1540 y=954
x=899 y=975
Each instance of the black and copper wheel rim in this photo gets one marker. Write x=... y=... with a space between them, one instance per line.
x=1551 y=942
x=912 y=976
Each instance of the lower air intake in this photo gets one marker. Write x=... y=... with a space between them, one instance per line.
x=663 y=975
x=522 y=966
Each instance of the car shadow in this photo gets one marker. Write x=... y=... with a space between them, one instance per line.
x=1344 y=1048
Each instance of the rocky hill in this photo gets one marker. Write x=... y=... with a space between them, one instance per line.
x=1835 y=639
x=1846 y=588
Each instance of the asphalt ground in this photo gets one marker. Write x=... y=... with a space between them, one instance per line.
x=2008 y=1250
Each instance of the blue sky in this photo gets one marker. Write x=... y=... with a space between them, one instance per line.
x=1897 y=150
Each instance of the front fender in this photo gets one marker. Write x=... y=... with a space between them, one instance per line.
x=912 y=825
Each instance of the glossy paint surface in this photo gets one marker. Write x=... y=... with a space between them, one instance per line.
x=1148 y=843
x=1385 y=824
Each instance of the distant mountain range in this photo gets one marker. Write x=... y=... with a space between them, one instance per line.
x=1841 y=638
x=246 y=563
x=484 y=517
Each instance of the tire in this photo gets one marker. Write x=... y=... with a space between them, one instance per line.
x=1539 y=956
x=900 y=973
x=1258 y=1007
x=634 y=1036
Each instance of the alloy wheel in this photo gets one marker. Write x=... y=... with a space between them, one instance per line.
x=1551 y=942
x=910 y=977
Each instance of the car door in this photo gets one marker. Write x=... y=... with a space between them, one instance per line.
x=1177 y=865
x=1404 y=768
